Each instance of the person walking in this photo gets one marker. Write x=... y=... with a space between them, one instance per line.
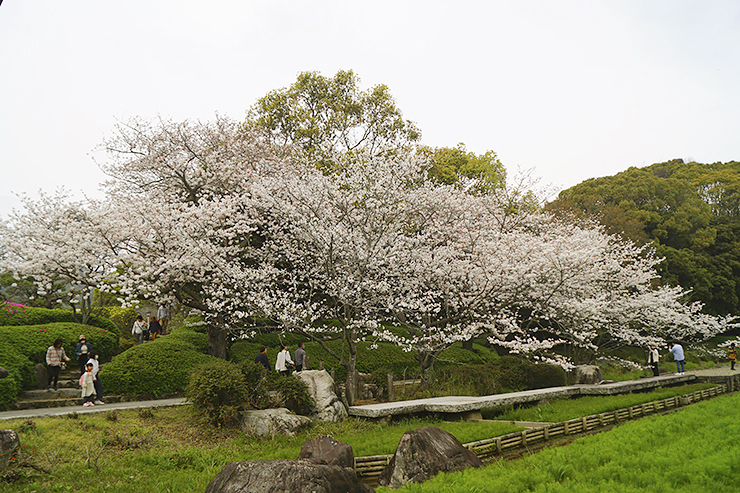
x=88 y=386
x=163 y=316
x=732 y=353
x=678 y=357
x=300 y=357
x=261 y=359
x=55 y=355
x=96 y=382
x=283 y=361
x=82 y=350
x=154 y=328
x=653 y=358
x=138 y=330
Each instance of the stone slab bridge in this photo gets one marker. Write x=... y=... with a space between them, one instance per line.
x=469 y=408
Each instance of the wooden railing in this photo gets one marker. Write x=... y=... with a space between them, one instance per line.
x=370 y=467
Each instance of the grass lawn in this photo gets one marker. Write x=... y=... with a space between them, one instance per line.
x=175 y=451
x=691 y=450
x=564 y=409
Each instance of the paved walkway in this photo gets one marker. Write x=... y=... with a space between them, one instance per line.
x=383 y=409
x=60 y=411
x=467 y=404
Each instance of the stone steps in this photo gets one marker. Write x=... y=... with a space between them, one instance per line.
x=67 y=394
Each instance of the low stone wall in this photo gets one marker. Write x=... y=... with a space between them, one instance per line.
x=452 y=405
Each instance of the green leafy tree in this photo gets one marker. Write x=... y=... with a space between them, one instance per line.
x=450 y=164
x=689 y=211
x=319 y=117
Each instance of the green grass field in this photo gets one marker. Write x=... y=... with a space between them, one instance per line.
x=692 y=450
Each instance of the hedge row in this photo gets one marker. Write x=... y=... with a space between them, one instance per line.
x=387 y=357
x=28 y=315
x=32 y=341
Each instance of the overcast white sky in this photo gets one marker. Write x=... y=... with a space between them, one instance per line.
x=573 y=89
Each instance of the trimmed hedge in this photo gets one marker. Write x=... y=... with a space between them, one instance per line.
x=186 y=334
x=28 y=315
x=33 y=341
x=387 y=357
x=21 y=375
x=159 y=367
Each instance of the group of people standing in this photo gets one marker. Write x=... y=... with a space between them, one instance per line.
x=678 y=356
x=676 y=350
x=157 y=326
x=87 y=361
x=284 y=363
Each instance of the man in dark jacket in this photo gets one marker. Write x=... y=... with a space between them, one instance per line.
x=262 y=358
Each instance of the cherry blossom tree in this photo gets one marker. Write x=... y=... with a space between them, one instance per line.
x=206 y=214
x=64 y=248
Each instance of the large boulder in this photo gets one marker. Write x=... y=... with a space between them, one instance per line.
x=321 y=385
x=326 y=450
x=586 y=374
x=3 y=372
x=424 y=452
x=271 y=422
x=10 y=444
x=285 y=476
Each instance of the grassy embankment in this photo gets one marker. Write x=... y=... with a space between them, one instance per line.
x=693 y=450
x=174 y=450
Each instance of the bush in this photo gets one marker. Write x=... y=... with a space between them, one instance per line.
x=243 y=350
x=157 y=368
x=28 y=315
x=218 y=389
x=21 y=375
x=33 y=340
x=254 y=378
x=506 y=374
x=293 y=392
x=123 y=318
x=198 y=340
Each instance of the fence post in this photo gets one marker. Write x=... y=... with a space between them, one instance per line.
x=391 y=390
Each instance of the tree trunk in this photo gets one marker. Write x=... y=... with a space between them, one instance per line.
x=216 y=342
x=426 y=361
x=351 y=382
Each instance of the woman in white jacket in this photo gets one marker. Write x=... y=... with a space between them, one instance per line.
x=138 y=330
x=283 y=360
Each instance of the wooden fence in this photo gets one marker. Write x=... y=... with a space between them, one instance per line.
x=369 y=468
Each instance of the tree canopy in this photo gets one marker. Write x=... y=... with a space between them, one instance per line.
x=321 y=118
x=690 y=212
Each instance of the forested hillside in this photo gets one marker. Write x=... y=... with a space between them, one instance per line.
x=689 y=211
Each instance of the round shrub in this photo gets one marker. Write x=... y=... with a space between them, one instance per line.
x=217 y=388
x=542 y=375
x=293 y=392
x=198 y=340
x=254 y=378
x=155 y=368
